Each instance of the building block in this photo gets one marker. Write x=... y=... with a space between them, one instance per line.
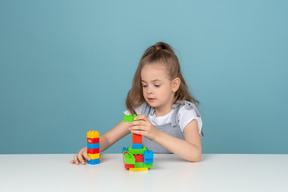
x=93 y=140
x=94 y=156
x=124 y=149
x=94 y=161
x=148 y=165
x=139 y=165
x=147 y=161
x=137 y=151
x=129 y=118
x=129 y=158
x=92 y=146
x=134 y=157
x=139 y=158
x=93 y=151
x=128 y=165
x=138 y=169
x=148 y=154
x=92 y=134
x=136 y=138
x=137 y=146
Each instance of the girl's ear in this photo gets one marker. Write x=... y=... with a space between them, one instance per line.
x=175 y=84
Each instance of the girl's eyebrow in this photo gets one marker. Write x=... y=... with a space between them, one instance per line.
x=151 y=81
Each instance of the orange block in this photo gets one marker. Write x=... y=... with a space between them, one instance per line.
x=137 y=138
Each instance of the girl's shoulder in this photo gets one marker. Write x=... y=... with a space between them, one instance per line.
x=188 y=107
x=188 y=112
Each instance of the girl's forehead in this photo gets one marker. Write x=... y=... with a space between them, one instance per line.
x=154 y=71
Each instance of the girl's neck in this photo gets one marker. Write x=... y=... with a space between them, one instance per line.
x=159 y=112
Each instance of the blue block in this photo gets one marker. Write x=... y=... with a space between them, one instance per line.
x=124 y=149
x=94 y=161
x=148 y=154
x=148 y=160
x=137 y=146
x=92 y=145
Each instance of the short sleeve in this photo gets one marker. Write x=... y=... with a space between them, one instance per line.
x=137 y=110
x=186 y=116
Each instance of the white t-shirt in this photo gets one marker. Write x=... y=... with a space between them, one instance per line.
x=185 y=117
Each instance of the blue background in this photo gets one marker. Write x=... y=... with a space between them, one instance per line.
x=66 y=68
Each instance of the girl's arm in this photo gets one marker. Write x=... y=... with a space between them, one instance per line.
x=106 y=140
x=189 y=149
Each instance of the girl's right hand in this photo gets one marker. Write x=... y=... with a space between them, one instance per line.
x=81 y=157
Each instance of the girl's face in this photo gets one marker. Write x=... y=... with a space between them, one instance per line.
x=158 y=89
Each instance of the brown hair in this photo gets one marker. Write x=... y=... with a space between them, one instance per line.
x=161 y=53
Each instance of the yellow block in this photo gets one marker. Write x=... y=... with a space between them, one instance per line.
x=93 y=134
x=138 y=169
x=94 y=156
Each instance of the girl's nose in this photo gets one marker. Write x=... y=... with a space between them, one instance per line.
x=149 y=90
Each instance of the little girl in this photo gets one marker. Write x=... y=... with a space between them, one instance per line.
x=168 y=120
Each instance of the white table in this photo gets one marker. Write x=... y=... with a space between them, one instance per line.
x=215 y=172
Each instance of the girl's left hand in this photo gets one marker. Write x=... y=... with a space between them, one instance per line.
x=143 y=126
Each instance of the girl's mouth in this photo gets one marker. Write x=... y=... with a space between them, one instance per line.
x=151 y=99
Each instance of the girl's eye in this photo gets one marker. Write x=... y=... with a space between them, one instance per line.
x=144 y=85
x=157 y=85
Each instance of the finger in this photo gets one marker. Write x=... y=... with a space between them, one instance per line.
x=72 y=161
x=81 y=159
x=140 y=117
x=86 y=156
x=139 y=128
x=139 y=132
x=137 y=123
x=76 y=160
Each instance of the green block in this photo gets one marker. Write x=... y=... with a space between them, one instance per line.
x=139 y=165
x=129 y=118
x=148 y=165
x=129 y=158
x=137 y=151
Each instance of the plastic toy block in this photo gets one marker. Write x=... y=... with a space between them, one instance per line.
x=148 y=154
x=148 y=165
x=129 y=118
x=147 y=161
x=137 y=146
x=128 y=165
x=93 y=151
x=94 y=161
x=92 y=146
x=94 y=156
x=139 y=158
x=139 y=165
x=137 y=151
x=92 y=134
x=137 y=138
x=138 y=169
x=124 y=149
x=93 y=140
x=129 y=158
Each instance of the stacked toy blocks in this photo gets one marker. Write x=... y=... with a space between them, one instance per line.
x=137 y=157
x=93 y=147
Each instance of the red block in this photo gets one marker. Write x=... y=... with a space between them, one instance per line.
x=92 y=151
x=94 y=140
x=129 y=166
x=139 y=158
x=137 y=138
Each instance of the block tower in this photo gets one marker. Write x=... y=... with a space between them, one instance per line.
x=93 y=147
x=137 y=157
